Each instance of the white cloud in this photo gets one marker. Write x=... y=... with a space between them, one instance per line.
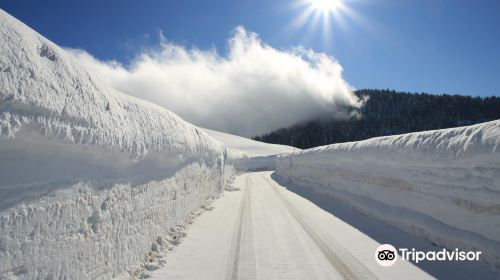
x=253 y=89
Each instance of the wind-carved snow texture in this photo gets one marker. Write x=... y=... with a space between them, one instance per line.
x=443 y=185
x=90 y=177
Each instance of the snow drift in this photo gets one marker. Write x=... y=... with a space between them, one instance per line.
x=90 y=178
x=443 y=185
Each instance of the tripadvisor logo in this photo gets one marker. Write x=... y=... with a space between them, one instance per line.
x=387 y=255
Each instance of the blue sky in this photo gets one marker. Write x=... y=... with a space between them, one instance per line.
x=436 y=46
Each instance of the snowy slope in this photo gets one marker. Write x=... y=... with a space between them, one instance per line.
x=443 y=185
x=90 y=178
x=252 y=148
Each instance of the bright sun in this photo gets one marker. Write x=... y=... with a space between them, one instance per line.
x=322 y=14
x=326 y=6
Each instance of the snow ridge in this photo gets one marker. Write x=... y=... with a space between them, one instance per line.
x=450 y=143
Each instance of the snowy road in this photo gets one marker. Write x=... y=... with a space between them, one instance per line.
x=264 y=231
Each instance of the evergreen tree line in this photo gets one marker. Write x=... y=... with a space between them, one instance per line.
x=387 y=112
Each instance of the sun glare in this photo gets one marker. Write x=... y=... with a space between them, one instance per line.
x=325 y=15
x=326 y=6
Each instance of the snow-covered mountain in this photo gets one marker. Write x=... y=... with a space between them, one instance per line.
x=443 y=185
x=90 y=178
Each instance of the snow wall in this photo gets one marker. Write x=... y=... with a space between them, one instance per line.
x=90 y=178
x=443 y=185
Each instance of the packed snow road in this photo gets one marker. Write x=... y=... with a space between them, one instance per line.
x=263 y=231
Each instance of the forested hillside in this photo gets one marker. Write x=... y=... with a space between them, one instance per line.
x=387 y=112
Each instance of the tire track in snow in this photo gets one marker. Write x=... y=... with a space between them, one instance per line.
x=243 y=259
x=336 y=260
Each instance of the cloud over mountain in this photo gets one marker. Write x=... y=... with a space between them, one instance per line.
x=253 y=89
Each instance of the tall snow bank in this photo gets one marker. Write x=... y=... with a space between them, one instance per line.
x=443 y=185
x=90 y=177
x=43 y=85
